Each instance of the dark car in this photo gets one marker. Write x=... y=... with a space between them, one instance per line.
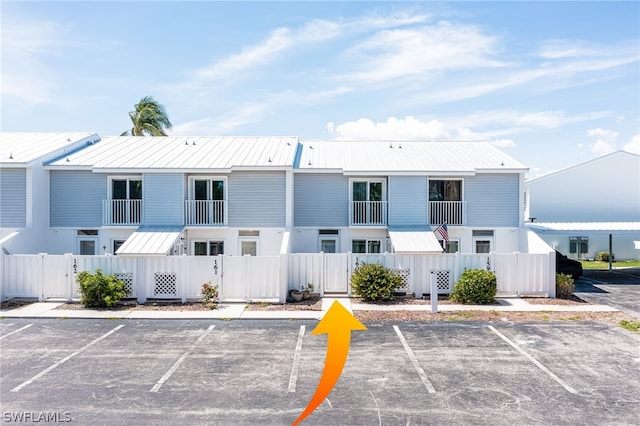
x=564 y=265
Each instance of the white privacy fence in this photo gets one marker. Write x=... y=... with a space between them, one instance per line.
x=246 y=278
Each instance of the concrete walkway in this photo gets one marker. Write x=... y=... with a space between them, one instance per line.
x=240 y=311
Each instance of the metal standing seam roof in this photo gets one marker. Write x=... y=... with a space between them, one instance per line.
x=151 y=240
x=184 y=153
x=20 y=149
x=405 y=157
x=414 y=242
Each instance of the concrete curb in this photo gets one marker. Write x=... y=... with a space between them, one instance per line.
x=239 y=311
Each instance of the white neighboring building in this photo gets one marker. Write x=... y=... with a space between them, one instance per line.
x=580 y=209
x=24 y=185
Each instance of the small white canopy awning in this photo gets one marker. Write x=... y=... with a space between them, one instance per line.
x=411 y=241
x=151 y=241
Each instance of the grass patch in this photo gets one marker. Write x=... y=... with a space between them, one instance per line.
x=113 y=318
x=630 y=325
x=588 y=264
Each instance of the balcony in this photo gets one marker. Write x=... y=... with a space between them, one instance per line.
x=449 y=212
x=368 y=213
x=205 y=213
x=121 y=212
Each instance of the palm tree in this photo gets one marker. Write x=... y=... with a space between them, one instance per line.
x=149 y=119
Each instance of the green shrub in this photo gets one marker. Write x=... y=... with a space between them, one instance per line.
x=603 y=256
x=564 y=286
x=374 y=282
x=100 y=291
x=209 y=295
x=475 y=286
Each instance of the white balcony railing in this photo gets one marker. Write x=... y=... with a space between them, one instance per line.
x=205 y=212
x=449 y=212
x=121 y=212
x=368 y=213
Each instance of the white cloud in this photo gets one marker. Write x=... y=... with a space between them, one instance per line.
x=395 y=53
x=392 y=129
x=408 y=128
x=605 y=141
x=633 y=145
x=537 y=119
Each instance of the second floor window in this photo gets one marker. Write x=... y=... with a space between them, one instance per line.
x=445 y=190
x=125 y=204
x=126 y=189
x=206 y=203
x=208 y=189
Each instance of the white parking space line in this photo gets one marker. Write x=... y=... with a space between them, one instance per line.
x=180 y=360
x=293 y=378
x=414 y=361
x=65 y=359
x=534 y=361
x=16 y=331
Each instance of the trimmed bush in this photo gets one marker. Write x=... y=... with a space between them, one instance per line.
x=475 y=286
x=374 y=282
x=100 y=291
x=564 y=286
x=603 y=256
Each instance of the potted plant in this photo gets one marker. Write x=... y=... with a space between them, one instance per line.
x=296 y=294
x=306 y=291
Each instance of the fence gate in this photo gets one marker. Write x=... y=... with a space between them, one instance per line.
x=336 y=273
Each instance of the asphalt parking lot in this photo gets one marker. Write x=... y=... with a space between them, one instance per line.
x=619 y=288
x=243 y=372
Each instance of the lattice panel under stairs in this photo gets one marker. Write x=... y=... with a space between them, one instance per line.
x=127 y=278
x=166 y=284
x=404 y=276
x=443 y=281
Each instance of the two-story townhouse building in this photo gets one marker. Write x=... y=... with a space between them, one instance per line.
x=173 y=195
x=375 y=197
x=589 y=207
x=24 y=183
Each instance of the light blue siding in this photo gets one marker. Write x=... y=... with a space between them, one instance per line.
x=163 y=198
x=408 y=200
x=256 y=199
x=492 y=200
x=76 y=198
x=13 y=198
x=321 y=200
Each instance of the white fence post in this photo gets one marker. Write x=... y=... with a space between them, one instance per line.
x=283 y=282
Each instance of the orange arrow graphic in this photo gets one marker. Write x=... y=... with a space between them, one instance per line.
x=337 y=323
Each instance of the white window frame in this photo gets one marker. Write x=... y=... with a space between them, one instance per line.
x=248 y=239
x=367 y=240
x=127 y=178
x=82 y=238
x=368 y=180
x=207 y=242
x=433 y=179
x=210 y=178
x=451 y=240
x=334 y=238
x=474 y=240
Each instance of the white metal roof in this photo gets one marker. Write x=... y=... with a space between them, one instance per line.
x=121 y=153
x=414 y=242
x=603 y=227
x=20 y=149
x=406 y=157
x=151 y=240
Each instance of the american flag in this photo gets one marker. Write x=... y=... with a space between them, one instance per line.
x=442 y=230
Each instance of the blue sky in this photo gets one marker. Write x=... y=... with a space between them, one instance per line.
x=551 y=83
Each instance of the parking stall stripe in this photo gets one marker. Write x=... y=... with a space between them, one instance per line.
x=414 y=361
x=535 y=361
x=65 y=359
x=180 y=360
x=16 y=331
x=296 y=361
